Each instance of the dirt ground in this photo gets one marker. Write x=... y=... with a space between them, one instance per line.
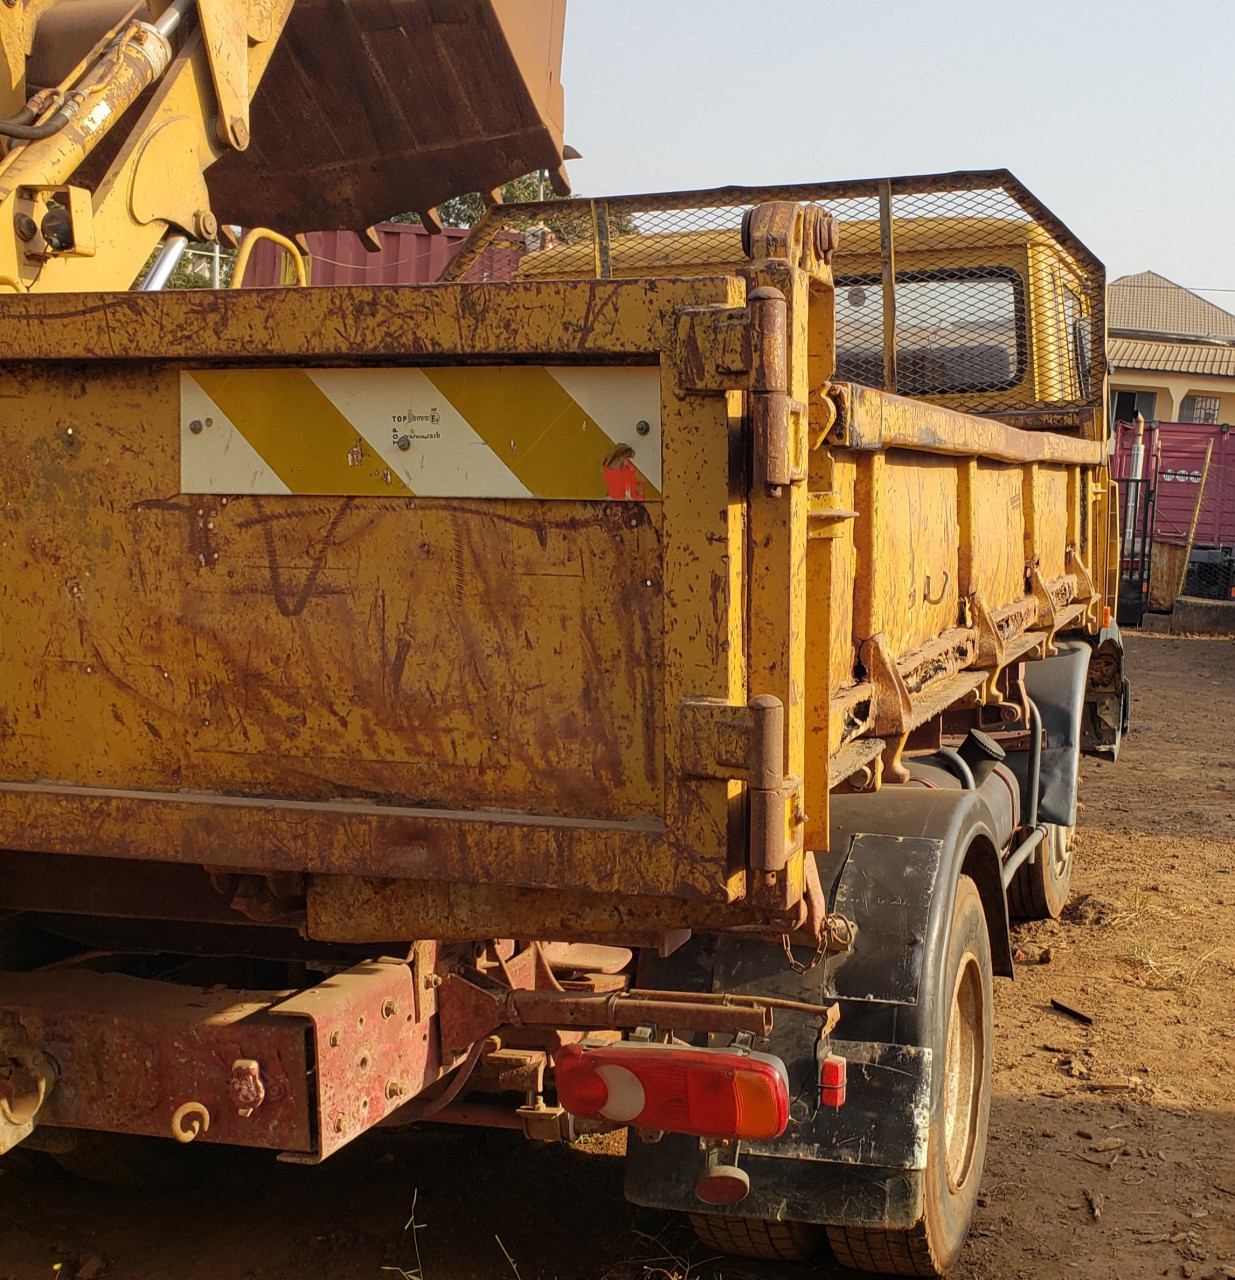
x=1112 y=1148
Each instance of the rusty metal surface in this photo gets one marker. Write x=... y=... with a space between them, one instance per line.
x=251 y=834
x=131 y=1053
x=869 y=419
x=298 y=622
x=301 y=1073
x=625 y=320
x=502 y=694
x=234 y=700
x=371 y=1050
x=377 y=107
x=364 y=909
x=27 y=1077
x=468 y=1011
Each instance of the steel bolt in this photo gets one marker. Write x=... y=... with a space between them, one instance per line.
x=643 y=427
x=196 y=426
x=339 y=1124
x=335 y=1039
x=394 y=1089
x=403 y=443
x=239 y=132
x=205 y=224
x=389 y=1008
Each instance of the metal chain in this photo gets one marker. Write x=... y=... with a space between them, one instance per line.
x=837 y=934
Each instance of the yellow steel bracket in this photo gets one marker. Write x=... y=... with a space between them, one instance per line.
x=827 y=515
x=245 y=250
x=1085 y=590
x=227 y=28
x=723 y=740
x=1048 y=611
x=714 y=349
x=57 y=219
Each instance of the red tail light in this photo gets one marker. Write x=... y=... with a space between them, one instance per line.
x=713 y=1093
x=832 y=1081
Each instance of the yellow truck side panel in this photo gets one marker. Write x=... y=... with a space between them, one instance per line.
x=541 y=692
x=993 y=552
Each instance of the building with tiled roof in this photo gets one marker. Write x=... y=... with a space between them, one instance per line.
x=1172 y=353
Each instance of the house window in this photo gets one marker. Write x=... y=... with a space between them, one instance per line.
x=1199 y=409
x=1125 y=405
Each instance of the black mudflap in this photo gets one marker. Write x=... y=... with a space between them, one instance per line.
x=862 y=1163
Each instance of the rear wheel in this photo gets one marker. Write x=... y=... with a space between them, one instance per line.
x=757 y=1237
x=1039 y=890
x=960 y=1113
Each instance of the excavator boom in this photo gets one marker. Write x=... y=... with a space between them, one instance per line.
x=292 y=114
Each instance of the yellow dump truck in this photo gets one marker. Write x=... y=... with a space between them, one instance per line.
x=633 y=692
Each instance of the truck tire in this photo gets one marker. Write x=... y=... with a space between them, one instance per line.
x=960 y=1114
x=759 y=1238
x=1039 y=890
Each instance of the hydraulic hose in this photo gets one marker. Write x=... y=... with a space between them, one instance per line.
x=20 y=128
x=24 y=116
x=957 y=766
x=36 y=132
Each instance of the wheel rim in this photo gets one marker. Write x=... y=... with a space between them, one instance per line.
x=963 y=1071
x=1060 y=853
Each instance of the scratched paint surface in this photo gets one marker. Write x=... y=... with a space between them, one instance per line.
x=454 y=653
x=996 y=549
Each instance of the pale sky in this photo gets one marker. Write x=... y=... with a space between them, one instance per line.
x=1119 y=114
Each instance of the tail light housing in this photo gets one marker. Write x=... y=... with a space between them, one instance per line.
x=711 y=1093
x=832 y=1074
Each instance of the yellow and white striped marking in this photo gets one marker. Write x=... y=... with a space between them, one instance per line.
x=486 y=432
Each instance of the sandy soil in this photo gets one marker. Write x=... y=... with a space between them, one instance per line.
x=1113 y=1145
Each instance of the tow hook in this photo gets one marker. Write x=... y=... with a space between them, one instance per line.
x=27 y=1077
x=247 y=1089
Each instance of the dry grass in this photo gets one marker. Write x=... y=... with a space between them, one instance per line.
x=416 y=1273
x=506 y=1254
x=1138 y=907
x=663 y=1253
x=1177 y=970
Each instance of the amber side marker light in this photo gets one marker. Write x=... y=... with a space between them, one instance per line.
x=711 y=1093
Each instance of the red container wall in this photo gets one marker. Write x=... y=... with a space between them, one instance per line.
x=409 y=255
x=1176 y=452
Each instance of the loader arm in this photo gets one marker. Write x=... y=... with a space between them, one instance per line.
x=203 y=59
x=129 y=105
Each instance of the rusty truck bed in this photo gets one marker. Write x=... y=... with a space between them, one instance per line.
x=555 y=600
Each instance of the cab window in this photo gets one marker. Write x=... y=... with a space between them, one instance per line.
x=956 y=330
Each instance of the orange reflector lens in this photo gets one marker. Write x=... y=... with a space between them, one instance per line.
x=711 y=1093
x=758 y=1104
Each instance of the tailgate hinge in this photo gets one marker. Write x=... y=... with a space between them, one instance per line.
x=723 y=349
x=746 y=743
